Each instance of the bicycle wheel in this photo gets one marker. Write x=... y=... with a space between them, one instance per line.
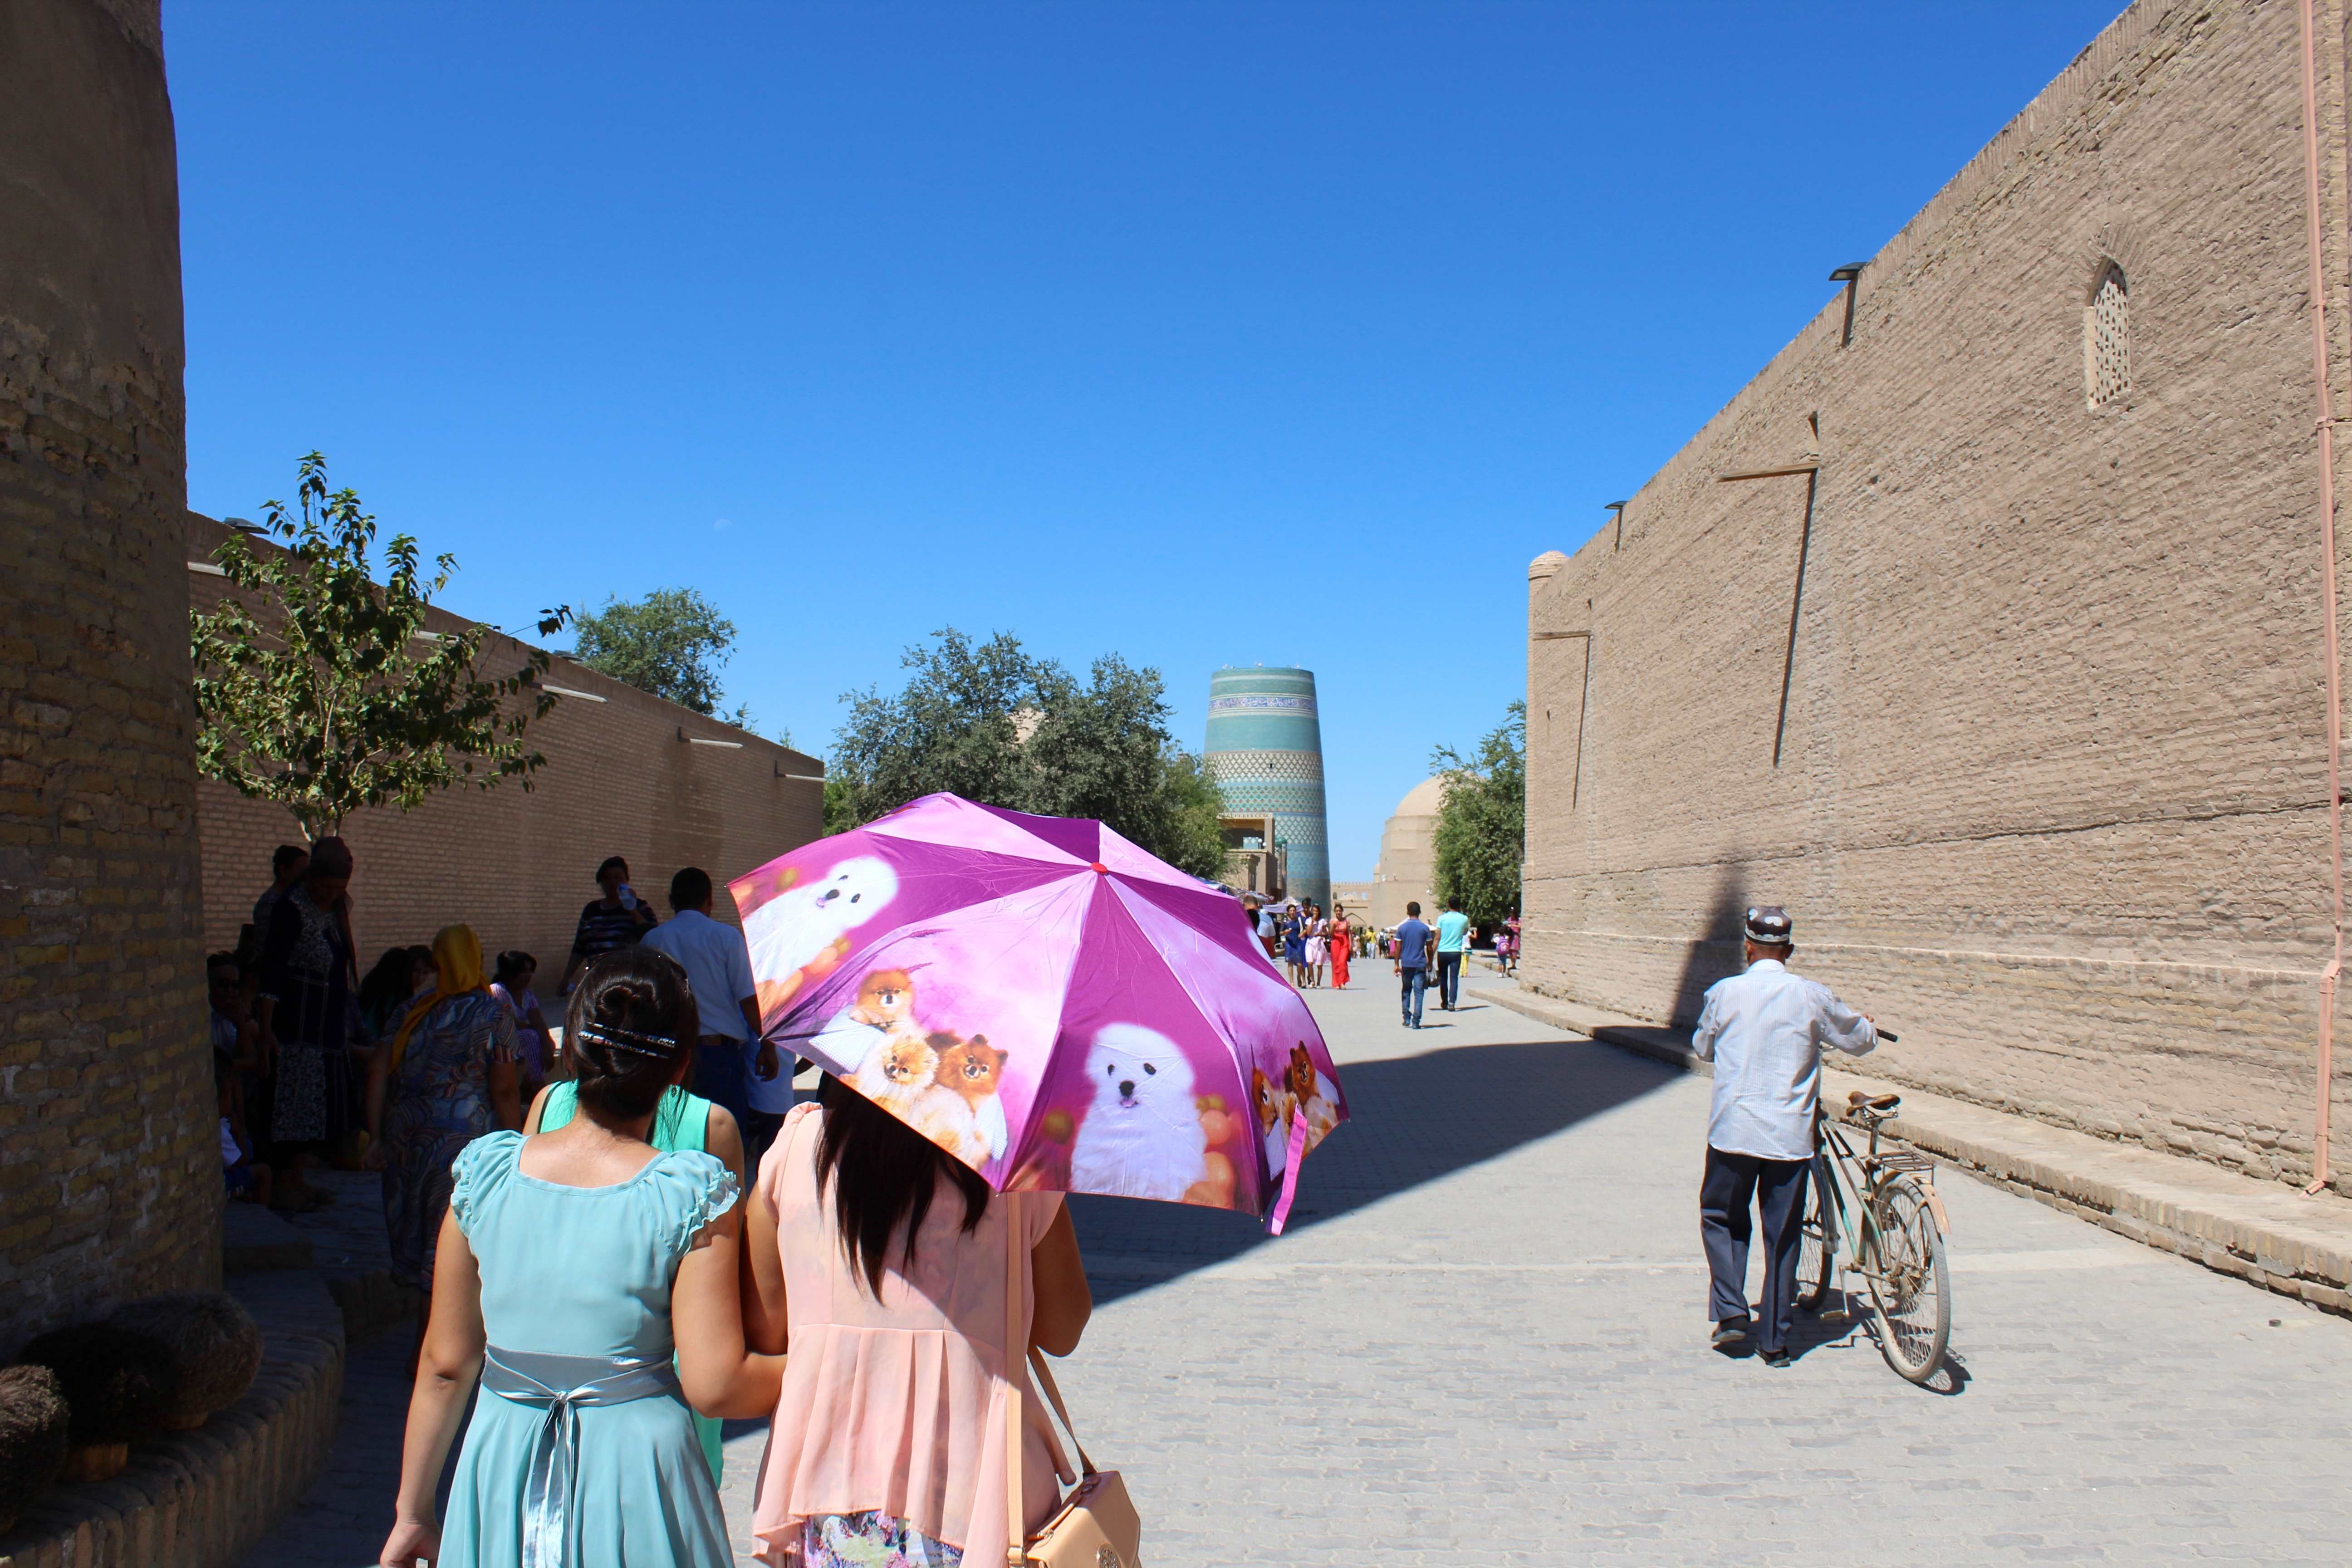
x=1816 y=1243
x=1910 y=1288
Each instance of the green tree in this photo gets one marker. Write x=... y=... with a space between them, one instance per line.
x=1482 y=821
x=670 y=644
x=993 y=723
x=319 y=689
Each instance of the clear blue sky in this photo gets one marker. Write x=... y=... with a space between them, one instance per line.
x=1204 y=333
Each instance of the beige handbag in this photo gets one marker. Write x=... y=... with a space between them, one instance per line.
x=1096 y=1526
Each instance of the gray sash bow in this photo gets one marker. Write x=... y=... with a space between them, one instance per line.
x=564 y=1384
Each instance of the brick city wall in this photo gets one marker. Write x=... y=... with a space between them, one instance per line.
x=2042 y=770
x=518 y=867
x=108 y=1165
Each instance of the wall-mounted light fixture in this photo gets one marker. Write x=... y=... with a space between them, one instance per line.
x=1619 y=508
x=801 y=778
x=699 y=740
x=1851 y=276
x=208 y=568
x=244 y=525
x=567 y=692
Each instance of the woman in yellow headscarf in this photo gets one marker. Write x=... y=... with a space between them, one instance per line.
x=450 y=1073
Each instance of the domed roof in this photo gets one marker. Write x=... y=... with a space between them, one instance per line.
x=1544 y=565
x=1423 y=799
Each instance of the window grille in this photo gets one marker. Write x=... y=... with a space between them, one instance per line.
x=2107 y=340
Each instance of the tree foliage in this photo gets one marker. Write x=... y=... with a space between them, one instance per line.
x=993 y=723
x=1482 y=821
x=669 y=644
x=319 y=689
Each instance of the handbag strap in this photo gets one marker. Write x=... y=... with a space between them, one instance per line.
x=1054 y=1395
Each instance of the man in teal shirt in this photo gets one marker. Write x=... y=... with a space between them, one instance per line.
x=1453 y=946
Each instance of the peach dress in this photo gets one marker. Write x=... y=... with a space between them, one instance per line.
x=896 y=1406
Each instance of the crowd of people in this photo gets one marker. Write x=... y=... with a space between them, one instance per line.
x=1310 y=944
x=598 y=1241
x=399 y=1069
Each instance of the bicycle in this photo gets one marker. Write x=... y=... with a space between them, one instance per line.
x=1897 y=1244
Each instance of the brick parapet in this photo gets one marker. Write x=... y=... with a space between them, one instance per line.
x=2048 y=780
x=518 y=864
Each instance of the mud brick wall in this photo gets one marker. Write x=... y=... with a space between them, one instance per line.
x=518 y=866
x=2041 y=771
x=109 y=1163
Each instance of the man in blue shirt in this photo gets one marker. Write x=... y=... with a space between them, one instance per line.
x=730 y=1059
x=1453 y=948
x=1412 y=940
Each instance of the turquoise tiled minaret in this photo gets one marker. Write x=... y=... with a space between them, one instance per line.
x=1265 y=751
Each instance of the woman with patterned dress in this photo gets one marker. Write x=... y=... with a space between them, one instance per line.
x=880 y=1263
x=573 y=1265
x=447 y=1074
x=303 y=1015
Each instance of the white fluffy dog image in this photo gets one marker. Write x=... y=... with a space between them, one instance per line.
x=804 y=925
x=1142 y=1136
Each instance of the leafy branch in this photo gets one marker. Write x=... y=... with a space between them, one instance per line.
x=334 y=696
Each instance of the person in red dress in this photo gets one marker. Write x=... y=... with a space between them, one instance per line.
x=1343 y=938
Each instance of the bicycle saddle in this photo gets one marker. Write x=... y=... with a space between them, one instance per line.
x=1862 y=1101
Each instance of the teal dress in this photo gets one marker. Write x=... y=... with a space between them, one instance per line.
x=681 y=1121
x=585 y=1272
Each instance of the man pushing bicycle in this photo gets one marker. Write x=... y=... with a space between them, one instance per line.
x=1765 y=1030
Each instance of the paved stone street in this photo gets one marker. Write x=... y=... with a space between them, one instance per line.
x=1483 y=1342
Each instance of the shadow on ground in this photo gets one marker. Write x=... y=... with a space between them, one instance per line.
x=1412 y=1120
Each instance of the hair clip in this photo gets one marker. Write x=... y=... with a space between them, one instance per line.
x=629 y=1040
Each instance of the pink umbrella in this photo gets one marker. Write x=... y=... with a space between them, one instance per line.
x=1050 y=1004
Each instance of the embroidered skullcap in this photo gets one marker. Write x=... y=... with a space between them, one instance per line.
x=1768 y=924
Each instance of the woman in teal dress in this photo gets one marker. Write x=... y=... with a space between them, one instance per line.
x=681 y=1122
x=572 y=1266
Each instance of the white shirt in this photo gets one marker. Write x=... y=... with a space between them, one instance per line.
x=1764 y=1031
x=717 y=964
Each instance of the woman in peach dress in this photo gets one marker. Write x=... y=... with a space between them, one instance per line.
x=879 y=1263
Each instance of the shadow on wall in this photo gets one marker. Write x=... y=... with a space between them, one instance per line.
x=1434 y=1114
x=1716 y=953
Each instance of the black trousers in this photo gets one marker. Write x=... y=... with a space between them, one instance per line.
x=1777 y=1187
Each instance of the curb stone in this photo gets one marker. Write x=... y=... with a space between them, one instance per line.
x=202 y=1499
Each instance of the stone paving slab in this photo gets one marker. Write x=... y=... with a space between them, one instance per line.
x=2262 y=1231
x=1484 y=1342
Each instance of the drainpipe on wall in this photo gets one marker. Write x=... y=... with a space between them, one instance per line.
x=2328 y=979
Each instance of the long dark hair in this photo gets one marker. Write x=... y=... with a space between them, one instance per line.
x=631 y=1026
x=386 y=985
x=884 y=1175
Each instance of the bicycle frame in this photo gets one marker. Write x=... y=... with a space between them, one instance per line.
x=1841 y=1174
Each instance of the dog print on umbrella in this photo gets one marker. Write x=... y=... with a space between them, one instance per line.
x=1141 y=1133
x=803 y=932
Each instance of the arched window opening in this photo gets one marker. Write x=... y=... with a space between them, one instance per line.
x=2107 y=338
